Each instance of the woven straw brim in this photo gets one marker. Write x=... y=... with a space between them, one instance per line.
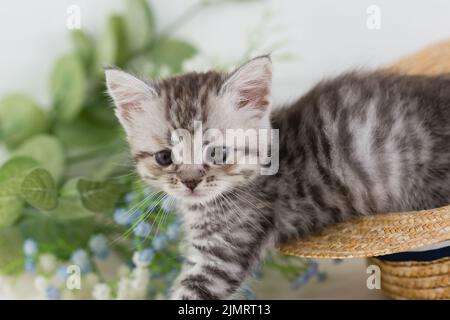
x=392 y=232
x=375 y=235
x=415 y=280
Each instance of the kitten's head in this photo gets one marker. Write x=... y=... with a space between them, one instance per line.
x=163 y=121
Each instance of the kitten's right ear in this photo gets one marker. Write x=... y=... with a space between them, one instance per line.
x=129 y=94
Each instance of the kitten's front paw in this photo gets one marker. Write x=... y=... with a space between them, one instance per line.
x=181 y=294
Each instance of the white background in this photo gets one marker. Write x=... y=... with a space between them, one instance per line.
x=325 y=37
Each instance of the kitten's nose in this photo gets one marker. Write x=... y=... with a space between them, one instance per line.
x=192 y=183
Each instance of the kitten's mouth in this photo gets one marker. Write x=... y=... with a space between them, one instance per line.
x=193 y=194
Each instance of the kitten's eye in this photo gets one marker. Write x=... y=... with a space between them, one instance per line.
x=163 y=158
x=218 y=155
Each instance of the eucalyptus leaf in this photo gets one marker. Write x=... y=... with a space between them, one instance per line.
x=99 y=196
x=11 y=256
x=11 y=207
x=172 y=53
x=20 y=118
x=12 y=174
x=68 y=87
x=39 y=190
x=84 y=47
x=48 y=152
x=140 y=24
x=69 y=206
x=86 y=132
x=112 y=48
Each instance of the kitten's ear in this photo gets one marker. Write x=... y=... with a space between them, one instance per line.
x=129 y=94
x=251 y=84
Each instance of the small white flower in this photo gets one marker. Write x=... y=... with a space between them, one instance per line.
x=123 y=271
x=138 y=261
x=47 y=262
x=40 y=283
x=91 y=279
x=123 y=289
x=101 y=291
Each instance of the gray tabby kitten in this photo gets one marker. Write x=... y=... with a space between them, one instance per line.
x=352 y=146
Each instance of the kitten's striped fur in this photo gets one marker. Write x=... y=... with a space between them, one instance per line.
x=355 y=145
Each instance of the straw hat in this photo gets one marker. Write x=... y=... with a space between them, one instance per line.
x=415 y=279
x=390 y=232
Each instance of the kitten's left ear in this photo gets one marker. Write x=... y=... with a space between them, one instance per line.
x=251 y=84
x=129 y=93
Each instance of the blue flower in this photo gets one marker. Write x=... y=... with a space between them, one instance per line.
x=99 y=246
x=142 y=229
x=81 y=258
x=129 y=197
x=306 y=276
x=30 y=265
x=168 y=204
x=30 y=247
x=159 y=242
x=153 y=207
x=258 y=272
x=173 y=231
x=53 y=293
x=146 y=255
x=248 y=293
x=121 y=217
x=61 y=272
x=134 y=216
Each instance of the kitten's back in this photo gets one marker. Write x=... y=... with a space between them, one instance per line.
x=371 y=142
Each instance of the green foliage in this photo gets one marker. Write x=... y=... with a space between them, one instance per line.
x=60 y=237
x=140 y=24
x=84 y=47
x=68 y=87
x=20 y=118
x=112 y=48
x=39 y=190
x=47 y=151
x=98 y=196
x=11 y=175
x=11 y=258
x=70 y=206
x=172 y=53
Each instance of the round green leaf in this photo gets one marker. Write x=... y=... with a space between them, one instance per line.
x=98 y=196
x=140 y=24
x=172 y=53
x=12 y=174
x=11 y=207
x=47 y=151
x=39 y=190
x=112 y=44
x=70 y=206
x=20 y=118
x=14 y=170
x=68 y=87
x=84 y=47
